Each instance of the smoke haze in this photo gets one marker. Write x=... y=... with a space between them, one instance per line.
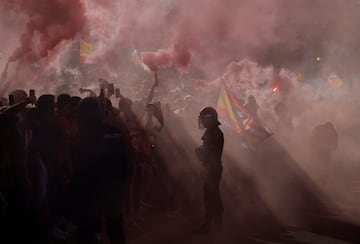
x=260 y=43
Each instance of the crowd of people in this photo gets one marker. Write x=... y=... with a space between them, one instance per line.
x=73 y=167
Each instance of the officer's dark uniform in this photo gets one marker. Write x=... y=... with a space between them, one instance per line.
x=209 y=153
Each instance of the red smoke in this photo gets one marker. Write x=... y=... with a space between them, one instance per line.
x=154 y=60
x=179 y=55
x=50 y=22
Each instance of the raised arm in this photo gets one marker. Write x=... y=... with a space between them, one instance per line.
x=92 y=93
x=152 y=90
x=17 y=107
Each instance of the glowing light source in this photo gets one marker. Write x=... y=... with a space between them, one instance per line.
x=318 y=59
x=276 y=89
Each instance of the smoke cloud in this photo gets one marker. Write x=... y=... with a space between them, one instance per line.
x=48 y=23
x=252 y=45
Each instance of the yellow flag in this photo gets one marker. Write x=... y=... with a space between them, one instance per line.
x=225 y=109
x=86 y=50
x=300 y=75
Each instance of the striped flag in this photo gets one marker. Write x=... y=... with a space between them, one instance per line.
x=234 y=115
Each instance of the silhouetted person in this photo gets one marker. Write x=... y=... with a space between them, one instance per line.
x=72 y=132
x=209 y=153
x=47 y=144
x=63 y=103
x=13 y=184
x=100 y=169
x=63 y=111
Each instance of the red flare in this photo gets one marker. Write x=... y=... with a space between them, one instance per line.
x=276 y=89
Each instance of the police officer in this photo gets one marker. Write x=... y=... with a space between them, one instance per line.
x=209 y=153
